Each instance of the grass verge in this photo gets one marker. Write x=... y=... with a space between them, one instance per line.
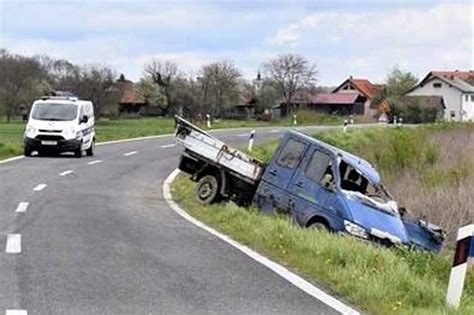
x=379 y=280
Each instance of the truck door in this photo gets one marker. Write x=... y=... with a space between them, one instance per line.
x=282 y=167
x=306 y=187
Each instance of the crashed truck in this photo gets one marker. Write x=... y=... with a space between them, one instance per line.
x=316 y=184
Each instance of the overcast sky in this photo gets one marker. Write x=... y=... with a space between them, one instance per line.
x=359 y=38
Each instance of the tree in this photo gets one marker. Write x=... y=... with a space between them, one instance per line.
x=21 y=82
x=152 y=93
x=290 y=74
x=165 y=74
x=220 y=86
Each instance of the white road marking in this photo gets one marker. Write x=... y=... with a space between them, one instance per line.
x=12 y=159
x=168 y=145
x=275 y=131
x=94 y=162
x=130 y=153
x=277 y=268
x=16 y=312
x=13 y=244
x=22 y=206
x=66 y=173
x=243 y=135
x=39 y=187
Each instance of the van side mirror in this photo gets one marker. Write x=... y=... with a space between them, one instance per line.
x=84 y=119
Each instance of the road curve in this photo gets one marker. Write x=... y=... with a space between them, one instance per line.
x=96 y=237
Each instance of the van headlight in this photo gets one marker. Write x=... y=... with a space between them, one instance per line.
x=355 y=229
x=78 y=135
x=30 y=131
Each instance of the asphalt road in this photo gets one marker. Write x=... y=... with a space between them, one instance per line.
x=101 y=240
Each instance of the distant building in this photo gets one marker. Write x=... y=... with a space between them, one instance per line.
x=423 y=109
x=455 y=87
x=130 y=104
x=367 y=91
x=338 y=104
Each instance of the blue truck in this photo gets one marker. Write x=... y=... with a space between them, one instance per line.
x=314 y=183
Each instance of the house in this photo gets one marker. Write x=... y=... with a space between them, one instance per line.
x=455 y=87
x=336 y=103
x=366 y=91
x=130 y=104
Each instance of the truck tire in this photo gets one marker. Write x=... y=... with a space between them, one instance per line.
x=90 y=151
x=207 y=189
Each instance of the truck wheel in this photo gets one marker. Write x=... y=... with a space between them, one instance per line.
x=90 y=151
x=27 y=151
x=207 y=189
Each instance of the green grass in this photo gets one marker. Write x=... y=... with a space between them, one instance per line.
x=375 y=279
x=11 y=134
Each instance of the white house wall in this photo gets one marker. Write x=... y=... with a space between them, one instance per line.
x=451 y=96
x=468 y=106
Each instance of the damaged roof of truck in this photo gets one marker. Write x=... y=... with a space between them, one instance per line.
x=356 y=162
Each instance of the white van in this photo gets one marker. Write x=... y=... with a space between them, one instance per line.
x=60 y=124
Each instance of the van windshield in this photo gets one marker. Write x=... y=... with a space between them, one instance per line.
x=54 y=112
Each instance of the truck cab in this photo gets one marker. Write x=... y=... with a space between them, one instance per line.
x=321 y=186
x=60 y=124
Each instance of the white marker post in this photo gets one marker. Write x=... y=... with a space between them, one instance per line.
x=251 y=139
x=400 y=122
x=464 y=252
x=344 y=126
x=295 y=122
x=394 y=120
x=351 y=119
x=208 y=118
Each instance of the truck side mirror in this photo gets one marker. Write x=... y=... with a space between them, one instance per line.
x=84 y=119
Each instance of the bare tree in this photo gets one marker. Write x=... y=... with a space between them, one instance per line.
x=291 y=74
x=220 y=85
x=164 y=73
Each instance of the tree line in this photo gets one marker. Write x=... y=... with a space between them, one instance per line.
x=217 y=86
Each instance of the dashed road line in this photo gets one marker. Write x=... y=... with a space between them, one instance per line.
x=39 y=187
x=13 y=244
x=22 y=206
x=243 y=135
x=275 y=131
x=94 y=162
x=66 y=173
x=168 y=145
x=130 y=153
x=16 y=312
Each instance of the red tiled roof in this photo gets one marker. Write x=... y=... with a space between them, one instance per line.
x=129 y=94
x=463 y=75
x=333 y=98
x=364 y=86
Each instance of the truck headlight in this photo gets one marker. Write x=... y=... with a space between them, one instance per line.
x=355 y=229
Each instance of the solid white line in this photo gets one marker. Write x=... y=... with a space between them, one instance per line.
x=66 y=173
x=94 y=162
x=22 y=206
x=12 y=159
x=39 y=187
x=168 y=145
x=16 y=312
x=275 y=131
x=130 y=153
x=277 y=268
x=243 y=135
x=13 y=244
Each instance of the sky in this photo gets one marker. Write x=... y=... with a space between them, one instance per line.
x=360 y=38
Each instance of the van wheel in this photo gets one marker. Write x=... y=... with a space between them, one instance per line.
x=27 y=151
x=78 y=153
x=90 y=151
x=207 y=189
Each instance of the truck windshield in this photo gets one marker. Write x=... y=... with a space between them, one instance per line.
x=54 y=112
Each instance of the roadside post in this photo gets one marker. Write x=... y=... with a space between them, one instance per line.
x=251 y=139
x=295 y=122
x=395 y=120
x=208 y=118
x=462 y=256
x=351 y=119
x=344 y=126
x=400 y=122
